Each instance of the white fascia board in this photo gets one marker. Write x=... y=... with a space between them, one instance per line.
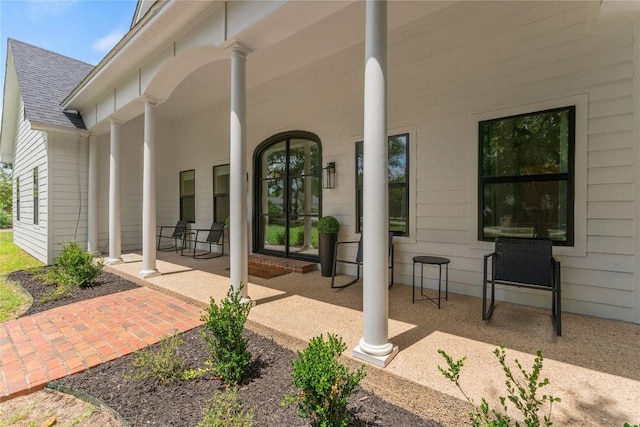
x=45 y=127
x=10 y=107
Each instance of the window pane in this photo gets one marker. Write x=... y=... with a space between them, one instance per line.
x=187 y=196
x=398 y=155
x=526 y=209
x=221 y=193
x=532 y=144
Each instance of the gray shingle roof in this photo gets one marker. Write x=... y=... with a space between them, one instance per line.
x=45 y=79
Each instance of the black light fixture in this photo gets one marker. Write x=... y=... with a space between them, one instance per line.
x=329 y=180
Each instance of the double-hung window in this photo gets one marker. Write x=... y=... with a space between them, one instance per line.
x=188 y=195
x=526 y=176
x=221 y=193
x=36 y=191
x=398 y=177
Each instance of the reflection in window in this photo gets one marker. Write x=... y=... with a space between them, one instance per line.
x=221 y=193
x=526 y=176
x=398 y=173
x=188 y=195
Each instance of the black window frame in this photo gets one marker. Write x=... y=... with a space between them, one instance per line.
x=218 y=196
x=568 y=177
x=360 y=183
x=36 y=194
x=187 y=198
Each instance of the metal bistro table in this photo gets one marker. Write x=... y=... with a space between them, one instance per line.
x=431 y=260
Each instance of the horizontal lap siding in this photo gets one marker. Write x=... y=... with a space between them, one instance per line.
x=31 y=152
x=69 y=186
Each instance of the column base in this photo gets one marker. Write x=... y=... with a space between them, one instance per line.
x=248 y=300
x=381 y=361
x=147 y=274
x=114 y=261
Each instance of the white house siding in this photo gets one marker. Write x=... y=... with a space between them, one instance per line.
x=31 y=152
x=68 y=163
x=445 y=71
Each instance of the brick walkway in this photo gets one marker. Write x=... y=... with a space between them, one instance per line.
x=69 y=339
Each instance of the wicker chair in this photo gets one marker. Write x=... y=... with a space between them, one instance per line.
x=526 y=263
x=211 y=236
x=172 y=233
x=358 y=262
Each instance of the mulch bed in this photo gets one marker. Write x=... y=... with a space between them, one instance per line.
x=180 y=403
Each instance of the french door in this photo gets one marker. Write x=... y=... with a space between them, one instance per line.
x=288 y=195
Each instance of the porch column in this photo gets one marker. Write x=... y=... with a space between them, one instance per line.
x=92 y=216
x=374 y=345
x=149 y=191
x=238 y=176
x=115 y=256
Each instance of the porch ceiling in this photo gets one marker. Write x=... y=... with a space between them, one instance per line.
x=299 y=48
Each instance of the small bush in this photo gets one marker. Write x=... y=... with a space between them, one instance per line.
x=328 y=224
x=223 y=326
x=164 y=364
x=6 y=219
x=224 y=410
x=324 y=383
x=280 y=238
x=522 y=396
x=76 y=266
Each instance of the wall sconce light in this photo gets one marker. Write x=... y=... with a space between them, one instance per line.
x=329 y=180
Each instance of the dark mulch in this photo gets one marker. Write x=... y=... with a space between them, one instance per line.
x=180 y=403
x=106 y=284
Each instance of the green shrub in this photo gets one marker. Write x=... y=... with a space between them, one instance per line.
x=224 y=410
x=223 y=326
x=328 y=225
x=324 y=383
x=75 y=266
x=164 y=364
x=6 y=219
x=522 y=396
x=280 y=238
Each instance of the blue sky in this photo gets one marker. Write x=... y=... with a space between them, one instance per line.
x=81 y=29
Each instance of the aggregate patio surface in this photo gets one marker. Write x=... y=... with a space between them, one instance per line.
x=594 y=367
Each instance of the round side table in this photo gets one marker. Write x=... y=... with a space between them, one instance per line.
x=431 y=260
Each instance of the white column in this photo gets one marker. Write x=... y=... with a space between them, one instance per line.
x=238 y=176
x=115 y=256
x=92 y=214
x=374 y=345
x=149 y=191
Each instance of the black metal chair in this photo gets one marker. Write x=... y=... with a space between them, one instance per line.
x=173 y=233
x=357 y=262
x=214 y=236
x=526 y=263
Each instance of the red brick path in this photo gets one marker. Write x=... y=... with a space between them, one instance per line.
x=72 y=338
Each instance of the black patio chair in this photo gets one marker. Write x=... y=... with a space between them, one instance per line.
x=526 y=263
x=172 y=233
x=204 y=236
x=357 y=262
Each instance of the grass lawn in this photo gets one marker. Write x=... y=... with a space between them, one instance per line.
x=12 y=258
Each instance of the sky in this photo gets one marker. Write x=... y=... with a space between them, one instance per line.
x=81 y=29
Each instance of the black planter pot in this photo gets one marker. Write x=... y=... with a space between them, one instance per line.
x=327 y=251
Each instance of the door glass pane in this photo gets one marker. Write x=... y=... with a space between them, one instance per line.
x=304 y=185
x=273 y=197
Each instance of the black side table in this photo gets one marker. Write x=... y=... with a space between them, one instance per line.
x=431 y=260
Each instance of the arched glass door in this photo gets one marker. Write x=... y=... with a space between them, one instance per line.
x=288 y=195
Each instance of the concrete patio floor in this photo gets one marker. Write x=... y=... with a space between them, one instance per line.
x=594 y=367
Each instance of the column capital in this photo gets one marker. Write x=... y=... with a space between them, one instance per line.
x=152 y=100
x=115 y=122
x=238 y=47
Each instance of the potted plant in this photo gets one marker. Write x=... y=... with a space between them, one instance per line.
x=328 y=228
